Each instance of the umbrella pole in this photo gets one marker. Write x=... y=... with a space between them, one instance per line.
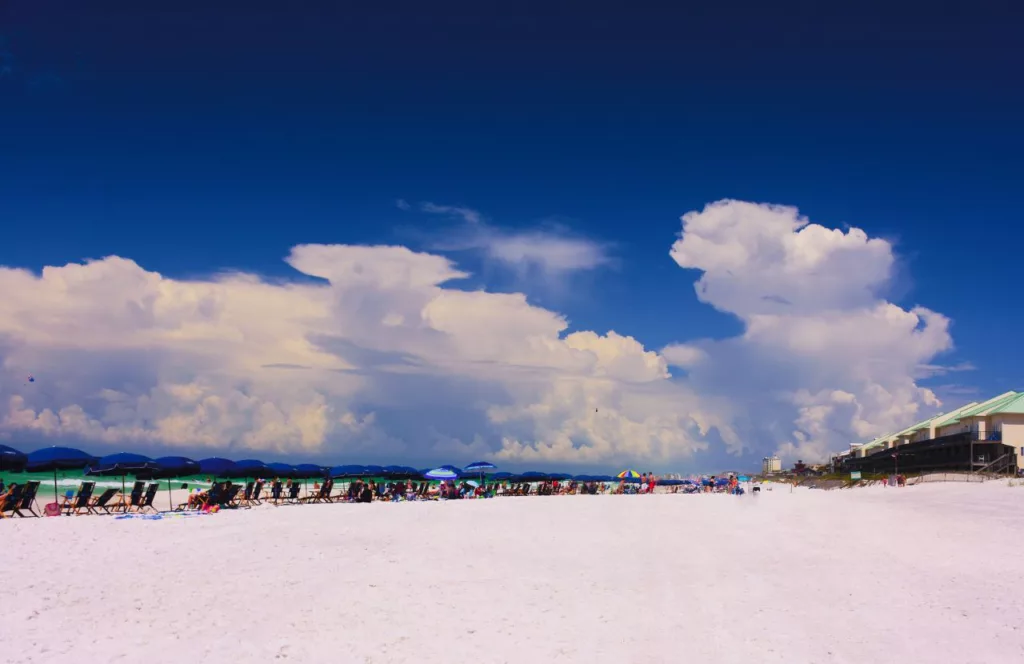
x=55 y=485
x=170 y=501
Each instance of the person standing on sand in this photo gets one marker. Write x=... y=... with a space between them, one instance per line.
x=653 y=482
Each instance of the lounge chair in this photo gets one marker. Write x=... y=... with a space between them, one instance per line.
x=276 y=488
x=230 y=497
x=28 y=499
x=213 y=497
x=324 y=495
x=132 y=499
x=257 y=490
x=11 y=500
x=246 y=499
x=100 y=503
x=79 y=502
x=293 y=493
x=149 y=497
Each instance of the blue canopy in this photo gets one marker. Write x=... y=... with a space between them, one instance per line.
x=124 y=463
x=375 y=471
x=281 y=469
x=218 y=467
x=501 y=477
x=441 y=474
x=309 y=470
x=11 y=459
x=347 y=471
x=401 y=472
x=58 y=458
x=174 y=466
x=477 y=466
x=533 y=476
x=252 y=468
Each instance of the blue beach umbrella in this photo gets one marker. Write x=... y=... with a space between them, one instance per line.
x=310 y=470
x=441 y=474
x=218 y=467
x=252 y=468
x=12 y=460
x=501 y=477
x=401 y=472
x=338 y=472
x=121 y=464
x=374 y=471
x=282 y=470
x=58 y=458
x=169 y=468
x=743 y=478
x=480 y=467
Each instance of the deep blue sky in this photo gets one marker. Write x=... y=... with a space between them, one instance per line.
x=193 y=138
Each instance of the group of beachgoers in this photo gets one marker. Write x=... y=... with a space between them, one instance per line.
x=226 y=494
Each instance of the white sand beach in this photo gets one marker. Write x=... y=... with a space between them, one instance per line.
x=921 y=574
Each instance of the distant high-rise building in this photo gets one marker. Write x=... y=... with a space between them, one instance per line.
x=772 y=464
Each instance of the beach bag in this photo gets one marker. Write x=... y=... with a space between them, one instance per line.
x=52 y=509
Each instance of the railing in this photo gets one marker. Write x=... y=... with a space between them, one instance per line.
x=998 y=466
x=988 y=437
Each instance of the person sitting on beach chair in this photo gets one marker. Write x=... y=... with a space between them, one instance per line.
x=10 y=500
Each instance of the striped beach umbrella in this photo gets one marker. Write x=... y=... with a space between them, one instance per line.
x=628 y=475
x=441 y=474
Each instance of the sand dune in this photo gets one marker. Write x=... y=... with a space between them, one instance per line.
x=923 y=574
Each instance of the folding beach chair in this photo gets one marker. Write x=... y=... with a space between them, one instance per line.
x=256 y=491
x=81 y=501
x=101 y=503
x=275 y=492
x=148 y=498
x=10 y=501
x=246 y=499
x=132 y=499
x=293 y=493
x=28 y=499
x=230 y=497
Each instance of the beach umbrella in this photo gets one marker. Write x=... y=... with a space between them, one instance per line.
x=282 y=470
x=374 y=471
x=501 y=477
x=218 y=467
x=58 y=458
x=169 y=468
x=628 y=474
x=121 y=464
x=347 y=471
x=441 y=474
x=252 y=468
x=480 y=467
x=533 y=476
x=743 y=478
x=308 y=470
x=401 y=472
x=12 y=460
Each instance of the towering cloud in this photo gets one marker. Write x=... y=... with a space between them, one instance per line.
x=386 y=357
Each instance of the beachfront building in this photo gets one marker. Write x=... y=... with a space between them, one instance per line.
x=772 y=464
x=980 y=436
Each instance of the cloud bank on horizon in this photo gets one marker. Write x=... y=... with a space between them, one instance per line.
x=386 y=357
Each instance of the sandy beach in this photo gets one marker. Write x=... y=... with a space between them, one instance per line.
x=923 y=574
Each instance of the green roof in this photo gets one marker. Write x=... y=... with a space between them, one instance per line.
x=994 y=402
x=1013 y=405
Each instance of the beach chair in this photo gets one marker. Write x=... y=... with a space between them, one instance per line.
x=10 y=501
x=246 y=499
x=257 y=490
x=230 y=496
x=276 y=489
x=148 y=498
x=324 y=495
x=100 y=503
x=79 y=502
x=132 y=499
x=28 y=499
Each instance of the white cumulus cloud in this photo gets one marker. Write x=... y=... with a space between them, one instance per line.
x=387 y=358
